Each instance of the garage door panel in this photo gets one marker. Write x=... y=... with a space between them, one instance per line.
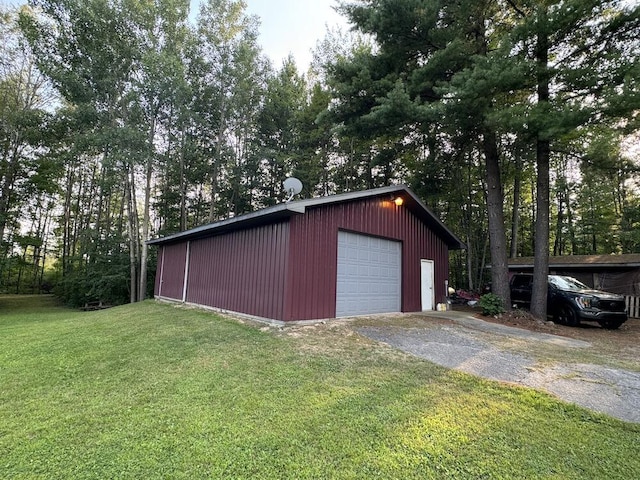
x=369 y=275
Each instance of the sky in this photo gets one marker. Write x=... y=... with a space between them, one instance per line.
x=293 y=26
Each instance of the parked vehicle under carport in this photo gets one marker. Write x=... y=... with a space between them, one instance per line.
x=570 y=301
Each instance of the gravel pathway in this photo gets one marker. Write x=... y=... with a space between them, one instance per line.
x=460 y=346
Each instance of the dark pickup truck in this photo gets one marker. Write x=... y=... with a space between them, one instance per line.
x=570 y=301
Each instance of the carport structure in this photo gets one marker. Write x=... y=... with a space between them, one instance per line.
x=616 y=273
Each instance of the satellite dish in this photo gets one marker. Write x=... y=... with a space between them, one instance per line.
x=292 y=186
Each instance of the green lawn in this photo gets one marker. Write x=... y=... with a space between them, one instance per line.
x=156 y=391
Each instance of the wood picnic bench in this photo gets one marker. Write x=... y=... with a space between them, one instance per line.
x=97 y=305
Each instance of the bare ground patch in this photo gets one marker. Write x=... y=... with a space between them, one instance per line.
x=617 y=348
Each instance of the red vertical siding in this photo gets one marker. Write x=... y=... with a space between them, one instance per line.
x=170 y=271
x=311 y=291
x=287 y=270
x=242 y=271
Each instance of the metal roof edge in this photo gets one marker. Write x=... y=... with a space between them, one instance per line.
x=453 y=241
x=597 y=260
x=513 y=266
x=282 y=210
x=285 y=210
x=349 y=196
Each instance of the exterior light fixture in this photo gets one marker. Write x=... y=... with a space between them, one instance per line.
x=398 y=201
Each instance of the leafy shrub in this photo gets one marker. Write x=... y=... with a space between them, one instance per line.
x=105 y=280
x=491 y=304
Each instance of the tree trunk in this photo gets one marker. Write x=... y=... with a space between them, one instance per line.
x=541 y=253
x=469 y=229
x=543 y=152
x=572 y=230
x=45 y=244
x=483 y=265
x=470 y=252
x=515 y=215
x=217 y=162
x=495 y=212
x=101 y=199
x=21 y=267
x=133 y=235
x=66 y=221
x=77 y=215
x=142 y=292
x=183 y=183
x=559 y=241
x=8 y=172
x=594 y=238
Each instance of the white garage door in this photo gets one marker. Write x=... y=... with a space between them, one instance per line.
x=369 y=275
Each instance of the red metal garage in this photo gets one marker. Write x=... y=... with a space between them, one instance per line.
x=349 y=254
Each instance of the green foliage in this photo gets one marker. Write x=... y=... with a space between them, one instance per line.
x=157 y=391
x=445 y=82
x=630 y=227
x=106 y=281
x=279 y=129
x=491 y=304
x=120 y=126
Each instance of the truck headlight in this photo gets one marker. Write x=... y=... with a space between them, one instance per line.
x=584 y=302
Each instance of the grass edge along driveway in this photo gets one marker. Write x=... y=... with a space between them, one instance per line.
x=158 y=391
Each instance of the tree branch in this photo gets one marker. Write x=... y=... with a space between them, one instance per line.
x=516 y=8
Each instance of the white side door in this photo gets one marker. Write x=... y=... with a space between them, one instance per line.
x=426 y=284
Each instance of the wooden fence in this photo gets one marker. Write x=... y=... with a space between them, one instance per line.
x=633 y=306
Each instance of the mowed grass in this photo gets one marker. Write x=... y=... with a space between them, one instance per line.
x=156 y=391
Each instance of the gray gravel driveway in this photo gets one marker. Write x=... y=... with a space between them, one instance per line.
x=465 y=344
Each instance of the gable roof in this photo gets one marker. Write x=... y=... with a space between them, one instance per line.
x=286 y=210
x=581 y=261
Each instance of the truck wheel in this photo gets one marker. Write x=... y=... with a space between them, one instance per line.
x=567 y=316
x=610 y=324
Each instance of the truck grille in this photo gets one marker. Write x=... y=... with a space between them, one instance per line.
x=611 y=305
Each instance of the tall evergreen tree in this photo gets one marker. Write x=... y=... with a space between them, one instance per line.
x=578 y=59
x=419 y=81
